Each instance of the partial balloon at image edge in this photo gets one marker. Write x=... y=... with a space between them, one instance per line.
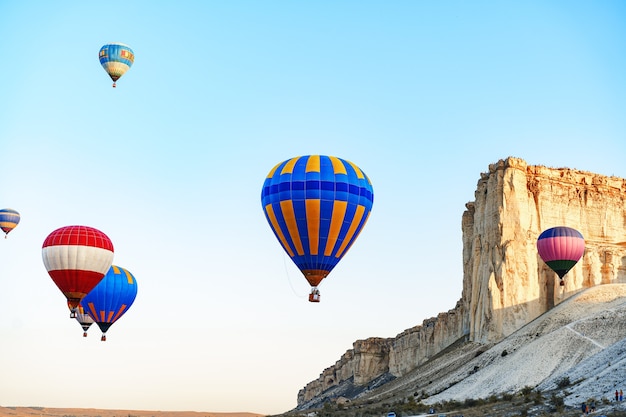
x=9 y=219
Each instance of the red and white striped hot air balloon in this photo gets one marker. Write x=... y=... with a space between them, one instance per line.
x=77 y=258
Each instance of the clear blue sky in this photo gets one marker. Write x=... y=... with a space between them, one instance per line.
x=422 y=95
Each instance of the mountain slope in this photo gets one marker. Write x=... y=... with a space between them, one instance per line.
x=582 y=339
x=575 y=340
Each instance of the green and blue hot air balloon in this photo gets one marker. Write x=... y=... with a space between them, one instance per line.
x=116 y=59
x=111 y=298
x=316 y=206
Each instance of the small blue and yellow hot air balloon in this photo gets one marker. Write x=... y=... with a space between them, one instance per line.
x=316 y=206
x=111 y=298
x=9 y=219
x=116 y=59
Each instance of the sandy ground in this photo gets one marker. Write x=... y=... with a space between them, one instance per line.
x=92 y=412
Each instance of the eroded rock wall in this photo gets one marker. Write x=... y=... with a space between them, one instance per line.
x=366 y=360
x=505 y=282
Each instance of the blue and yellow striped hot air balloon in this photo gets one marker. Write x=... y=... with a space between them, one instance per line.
x=111 y=298
x=116 y=59
x=9 y=219
x=316 y=205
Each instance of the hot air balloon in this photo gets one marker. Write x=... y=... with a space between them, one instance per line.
x=83 y=319
x=116 y=59
x=77 y=257
x=111 y=298
x=316 y=206
x=561 y=248
x=9 y=219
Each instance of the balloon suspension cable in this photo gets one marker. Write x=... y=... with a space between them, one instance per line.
x=561 y=288
x=289 y=280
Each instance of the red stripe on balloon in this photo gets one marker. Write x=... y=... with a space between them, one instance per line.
x=80 y=236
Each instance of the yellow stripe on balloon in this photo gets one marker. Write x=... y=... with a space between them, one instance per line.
x=129 y=277
x=360 y=210
x=93 y=310
x=119 y=313
x=289 y=215
x=357 y=235
x=288 y=168
x=313 y=164
x=271 y=174
x=269 y=209
x=338 y=166
x=339 y=213
x=359 y=173
x=313 y=224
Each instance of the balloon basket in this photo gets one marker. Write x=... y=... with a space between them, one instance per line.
x=314 y=297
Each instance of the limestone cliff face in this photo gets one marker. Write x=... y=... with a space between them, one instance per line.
x=505 y=282
x=368 y=359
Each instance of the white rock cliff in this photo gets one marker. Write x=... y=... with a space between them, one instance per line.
x=505 y=283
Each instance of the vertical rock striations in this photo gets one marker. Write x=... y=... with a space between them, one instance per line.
x=505 y=283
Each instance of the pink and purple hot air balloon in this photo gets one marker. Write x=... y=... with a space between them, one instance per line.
x=561 y=248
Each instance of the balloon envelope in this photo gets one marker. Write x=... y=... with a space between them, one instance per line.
x=316 y=206
x=83 y=319
x=76 y=258
x=561 y=248
x=111 y=298
x=9 y=219
x=116 y=59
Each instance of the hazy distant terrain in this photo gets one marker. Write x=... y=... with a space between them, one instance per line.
x=94 y=412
